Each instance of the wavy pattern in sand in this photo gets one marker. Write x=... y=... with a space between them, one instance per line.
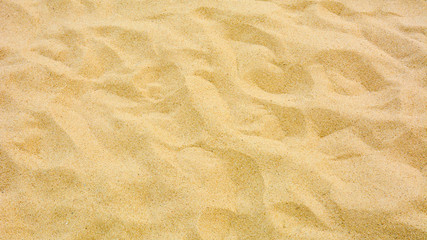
x=210 y=120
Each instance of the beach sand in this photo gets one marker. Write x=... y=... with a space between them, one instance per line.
x=211 y=120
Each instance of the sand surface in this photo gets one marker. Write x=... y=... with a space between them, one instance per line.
x=211 y=120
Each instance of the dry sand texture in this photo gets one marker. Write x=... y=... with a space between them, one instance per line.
x=210 y=120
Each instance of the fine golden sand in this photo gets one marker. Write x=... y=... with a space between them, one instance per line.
x=213 y=119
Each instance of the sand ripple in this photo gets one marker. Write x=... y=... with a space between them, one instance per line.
x=132 y=119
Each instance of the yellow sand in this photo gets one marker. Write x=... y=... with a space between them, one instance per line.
x=213 y=119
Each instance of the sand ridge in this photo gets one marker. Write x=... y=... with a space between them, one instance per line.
x=277 y=119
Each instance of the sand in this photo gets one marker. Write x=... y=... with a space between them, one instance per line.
x=210 y=120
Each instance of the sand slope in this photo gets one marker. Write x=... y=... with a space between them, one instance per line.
x=281 y=119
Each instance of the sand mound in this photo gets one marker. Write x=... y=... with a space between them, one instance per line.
x=132 y=119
